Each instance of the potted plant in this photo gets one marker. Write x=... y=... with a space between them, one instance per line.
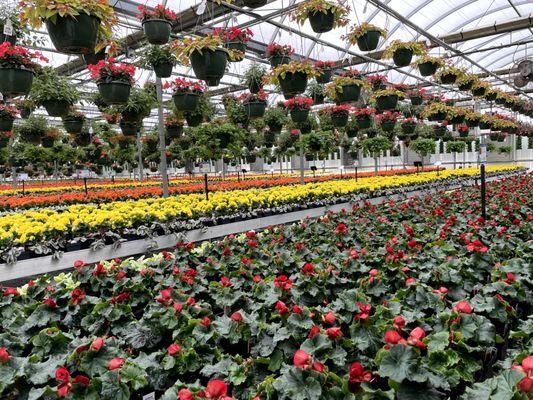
x=17 y=68
x=25 y=106
x=160 y=59
x=157 y=23
x=325 y=70
x=322 y=15
x=279 y=54
x=174 y=126
x=292 y=77
x=366 y=36
x=186 y=93
x=316 y=92
x=387 y=99
x=206 y=55
x=254 y=103
x=491 y=95
x=74 y=27
x=465 y=81
x=129 y=128
x=479 y=88
x=440 y=130
x=139 y=105
x=409 y=126
x=53 y=92
x=5 y=137
x=472 y=119
x=50 y=138
x=73 y=121
x=416 y=95
x=463 y=130
x=254 y=3
x=235 y=38
x=364 y=117
x=7 y=117
x=275 y=118
x=455 y=115
x=402 y=52
x=253 y=77
x=32 y=130
x=345 y=89
x=428 y=65
x=448 y=75
x=299 y=107
x=114 y=80
x=387 y=120
x=486 y=121
x=339 y=115
x=435 y=111
x=377 y=82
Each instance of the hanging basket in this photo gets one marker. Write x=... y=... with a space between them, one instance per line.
x=459 y=119
x=174 y=132
x=93 y=58
x=471 y=123
x=254 y=3
x=209 y=65
x=369 y=40
x=324 y=77
x=279 y=60
x=128 y=116
x=6 y=124
x=293 y=83
x=349 y=94
x=194 y=120
x=255 y=87
x=82 y=139
x=56 y=108
x=438 y=116
x=238 y=45
x=485 y=125
x=352 y=132
x=255 y=109
x=491 y=96
x=163 y=70
x=275 y=129
x=128 y=128
x=299 y=116
x=115 y=92
x=388 y=126
x=448 y=78
x=416 y=100
x=466 y=86
x=318 y=98
x=186 y=101
x=25 y=112
x=428 y=68
x=408 y=128
x=157 y=31
x=33 y=137
x=74 y=35
x=402 y=57
x=463 y=134
x=364 y=123
x=73 y=126
x=48 y=142
x=322 y=21
x=15 y=81
x=479 y=91
x=339 y=120
x=388 y=102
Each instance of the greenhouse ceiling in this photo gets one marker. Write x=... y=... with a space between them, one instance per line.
x=487 y=37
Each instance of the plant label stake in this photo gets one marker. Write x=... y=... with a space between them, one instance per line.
x=206 y=188
x=85 y=185
x=23 y=188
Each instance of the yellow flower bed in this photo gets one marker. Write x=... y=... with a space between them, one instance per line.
x=32 y=226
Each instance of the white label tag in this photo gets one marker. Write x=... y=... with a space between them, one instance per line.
x=8 y=28
x=149 y=396
x=201 y=8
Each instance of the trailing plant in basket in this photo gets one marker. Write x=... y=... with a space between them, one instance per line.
x=138 y=106
x=377 y=81
x=425 y=59
x=8 y=112
x=449 y=74
x=107 y=71
x=275 y=49
x=316 y=92
x=360 y=35
x=281 y=71
x=236 y=39
x=48 y=86
x=310 y=8
x=33 y=129
x=154 y=57
x=402 y=52
x=185 y=48
x=158 y=12
x=186 y=93
x=17 y=67
x=437 y=110
x=275 y=118
x=299 y=103
x=253 y=77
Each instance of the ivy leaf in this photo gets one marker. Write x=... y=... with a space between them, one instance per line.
x=398 y=363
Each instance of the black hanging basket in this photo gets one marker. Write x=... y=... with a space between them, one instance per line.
x=479 y=91
x=491 y=96
x=317 y=98
x=340 y=120
x=194 y=120
x=157 y=31
x=388 y=126
x=299 y=116
x=459 y=119
x=388 y=102
x=6 y=124
x=15 y=81
x=408 y=128
x=93 y=58
x=56 y=108
x=416 y=100
x=48 y=142
x=364 y=123
x=115 y=92
x=279 y=60
x=448 y=79
x=254 y=3
x=25 y=112
x=209 y=65
x=466 y=86
x=74 y=35
x=73 y=126
x=82 y=139
x=163 y=70
x=428 y=68
x=369 y=40
x=324 y=77
x=174 y=132
x=255 y=109
x=472 y=123
x=186 y=101
x=129 y=116
x=402 y=57
x=293 y=83
x=322 y=21
x=129 y=128
x=349 y=94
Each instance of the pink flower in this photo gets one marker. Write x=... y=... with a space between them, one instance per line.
x=334 y=333
x=302 y=359
x=97 y=344
x=115 y=363
x=173 y=349
x=358 y=374
x=206 y=322
x=185 y=394
x=4 y=355
x=329 y=318
x=315 y=330
x=392 y=337
x=318 y=367
x=282 y=308
x=463 y=307
x=50 y=302
x=236 y=317
x=399 y=322
x=62 y=375
x=216 y=389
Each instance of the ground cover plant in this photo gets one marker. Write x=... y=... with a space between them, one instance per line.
x=420 y=299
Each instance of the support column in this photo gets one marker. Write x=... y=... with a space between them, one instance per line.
x=162 y=145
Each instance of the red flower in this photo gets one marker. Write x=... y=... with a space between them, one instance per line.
x=358 y=374
x=77 y=296
x=115 y=363
x=318 y=367
x=526 y=385
x=334 y=333
x=224 y=282
x=392 y=337
x=476 y=247
x=364 y=311
x=283 y=282
x=281 y=308
x=173 y=349
x=82 y=380
x=216 y=389
x=50 y=302
x=527 y=364
x=185 y=394
x=329 y=318
x=299 y=103
x=62 y=375
x=308 y=269
x=399 y=322
x=315 y=330
x=341 y=229
x=409 y=281
x=236 y=316
x=463 y=307
x=97 y=344
x=206 y=322
x=4 y=355
x=79 y=263
x=301 y=359
x=296 y=309
x=63 y=389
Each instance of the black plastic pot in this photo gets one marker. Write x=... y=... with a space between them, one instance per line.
x=48 y=142
x=116 y=92
x=388 y=102
x=448 y=79
x=322 y=21
x=463 y=134
x=466 y=86
x=74 y=35
x=416 y=100
x=209 y=65
x=194 y=119
x=485 y=125
x=15 y=81
x=255 y=109
x=471 y=124
x=352 y=132
x=408 y=128
x=174 y=132
x=254 y=3
x=275 y=129
x=293 y=83
x=339 y=120
x=428 y=68
x=479 y=91
x=130 y=117
x=388 y=126
x=6 y=124
x=93 y=58
x=163 y=70
x=25 y=112
x=73 y=126
x=278 y=60
x=369 y=40
x=364 y=123
x=157 y=31
x=299 y=116
x=490 y=96
x=402 y=57
x=439 y=116
x=324 y=77
x=128 y=128
x=350 y=93
x=186 y=101
x=56 y=108
x=457 y=120
x=318 y=98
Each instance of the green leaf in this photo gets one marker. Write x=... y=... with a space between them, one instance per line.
x=438 y=341
x=501 y=387
x=417 y=391
x=113 y=389
x=398 y=364
x=294 y=386
x=134 y=375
